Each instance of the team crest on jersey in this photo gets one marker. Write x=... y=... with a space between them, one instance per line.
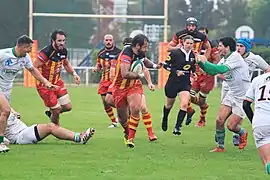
x=186 y=67
x=9 y=62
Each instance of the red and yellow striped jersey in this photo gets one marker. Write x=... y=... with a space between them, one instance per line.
x=53 y=62
x=125 y=57
x=105 y=60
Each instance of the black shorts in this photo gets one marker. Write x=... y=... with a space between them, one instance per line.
x=172 y=88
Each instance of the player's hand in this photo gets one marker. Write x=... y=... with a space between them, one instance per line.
x=180 y=73
x=159 y=65
x=195 y=77
x=95 y=69
x=151 y=87
x=77 y=79
x=51 y=86
x=201 y=58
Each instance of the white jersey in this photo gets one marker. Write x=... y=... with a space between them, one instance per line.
x=259 y=93
x=14 y=127
x=255 y=61
x=237 y=77
x=10 y=65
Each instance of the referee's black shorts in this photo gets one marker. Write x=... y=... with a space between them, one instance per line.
x=172 y=88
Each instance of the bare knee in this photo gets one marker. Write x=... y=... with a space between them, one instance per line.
x=144 y=108
x=231 y=126
x=5 y=111
x=220 y=121
x=135 y=110
x=51 y=127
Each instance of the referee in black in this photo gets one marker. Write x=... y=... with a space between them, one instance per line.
x=181 y=64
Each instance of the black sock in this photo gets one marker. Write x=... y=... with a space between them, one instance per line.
x=166 y=112
x=180 y=118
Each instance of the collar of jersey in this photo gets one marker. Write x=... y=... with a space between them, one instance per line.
x=13 y=52
x=228 y=55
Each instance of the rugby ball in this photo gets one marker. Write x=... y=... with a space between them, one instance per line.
x=137 y=66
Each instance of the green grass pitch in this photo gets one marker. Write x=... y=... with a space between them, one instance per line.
x=106 y=157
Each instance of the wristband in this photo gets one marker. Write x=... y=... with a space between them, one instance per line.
x=74 y=73
x=154 y=66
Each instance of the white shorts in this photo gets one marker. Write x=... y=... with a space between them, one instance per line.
x=236 y=105
x=261 y=135
x=224 y=92
x=27 y=136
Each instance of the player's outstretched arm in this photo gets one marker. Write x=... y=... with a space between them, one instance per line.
x=210 y=68
x=70 y=70
x=148 y=79
x=247 y=108
x=35 y=72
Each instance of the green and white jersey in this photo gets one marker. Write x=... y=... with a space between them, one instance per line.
x=10 y=65
x=237 y=78
x=14 y=127
x=259 y=93
x=255 y=62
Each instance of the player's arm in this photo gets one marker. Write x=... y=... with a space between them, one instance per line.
x=148 y=79
x=247 y=108
x=174 y=44
x=262 y=64
x=112 y=69
x=70 y=70
x=250 y=96
x=168 y=62
x=98 y=65
x=125 y=68
x=149 y=64
x=210 y=68
x=207 y=48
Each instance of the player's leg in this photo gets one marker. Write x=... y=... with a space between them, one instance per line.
x=122 y=111
x=193 y=99
x=234 y=123
x=262 y=140
x=223 y=114
x=134 y=99
x=102 y=91
x=44 y=130
x=109 y=100
x=203 y=109
x=171 y=91
x=146 y=116
x=4 y=114
x=184 y=98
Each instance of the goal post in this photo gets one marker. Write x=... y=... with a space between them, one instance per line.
x=33 y=14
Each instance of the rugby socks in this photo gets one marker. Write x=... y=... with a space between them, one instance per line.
x=1 y=139
x=109 y=111
x=180 y=119
x=195 y=100
x=77 y=137
x=189 y=109
x=147 y=122
x=132 y=126
x=241 y=131
x=204 y=109
x=267 y=168
x=220 y=137
x=166 y=112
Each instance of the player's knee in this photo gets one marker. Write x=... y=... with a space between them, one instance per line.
x=51 y=126
x=56 y=111
x=231 y=126
x=135 y=109
x=144 y=108
x=67 y=107
x=5 y=111
x=219 y=121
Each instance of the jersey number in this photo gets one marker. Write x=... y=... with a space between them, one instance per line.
x=262 y=97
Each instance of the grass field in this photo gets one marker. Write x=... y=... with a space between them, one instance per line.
x=106 y=157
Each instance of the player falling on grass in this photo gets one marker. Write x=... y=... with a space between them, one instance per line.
x=105 y=59
x=50 y=61
x=181 y=64
x=13 y=60
x=204 y=83
x=236 y=74
x=17 y=132
x=127 y=87
x=146 y=116
x=253 y=61
x=200 y=40
x=259 y=94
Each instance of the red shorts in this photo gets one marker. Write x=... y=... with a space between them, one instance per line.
x=50 y=97
x=103 y=87
x=204 y=84
x=120 y=95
